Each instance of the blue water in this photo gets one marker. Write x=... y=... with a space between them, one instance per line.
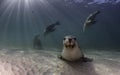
x=21 y=21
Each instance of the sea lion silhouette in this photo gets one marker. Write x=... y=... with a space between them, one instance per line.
x=37 y=42
x=51 y=28
x=90 y=19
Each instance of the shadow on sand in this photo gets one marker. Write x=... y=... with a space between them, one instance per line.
x=80 y=68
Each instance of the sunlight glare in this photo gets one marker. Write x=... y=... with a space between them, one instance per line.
x=25 y=1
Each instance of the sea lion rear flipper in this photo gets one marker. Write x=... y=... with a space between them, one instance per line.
x=57 y=23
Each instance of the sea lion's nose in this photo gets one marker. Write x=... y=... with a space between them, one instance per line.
x=70 y=40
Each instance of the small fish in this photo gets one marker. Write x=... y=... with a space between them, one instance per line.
x=51 y=28
x=90 y=20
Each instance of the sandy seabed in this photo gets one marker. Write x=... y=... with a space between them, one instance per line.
x=34 y=62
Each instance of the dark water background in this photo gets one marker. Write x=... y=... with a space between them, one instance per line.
x=20 y=22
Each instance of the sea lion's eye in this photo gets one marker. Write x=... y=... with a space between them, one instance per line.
x=74 y=38
x=64 y=38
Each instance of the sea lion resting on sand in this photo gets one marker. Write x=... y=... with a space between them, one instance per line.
x=71 y=50
x=37 y=42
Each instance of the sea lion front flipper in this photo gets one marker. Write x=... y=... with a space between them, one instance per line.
x=60 y=57
x=85 y=59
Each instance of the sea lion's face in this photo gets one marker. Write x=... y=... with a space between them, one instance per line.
x=69 y=41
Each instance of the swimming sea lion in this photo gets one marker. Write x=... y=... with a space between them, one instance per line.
x=51 y=28
x=90 y=20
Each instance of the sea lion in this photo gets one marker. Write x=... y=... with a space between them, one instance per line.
x=37 y=42
x=71 y=50
x=51 y=28
x=90 y=19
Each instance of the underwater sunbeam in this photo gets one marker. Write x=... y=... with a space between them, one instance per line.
x=25 y=3
x=19 y=1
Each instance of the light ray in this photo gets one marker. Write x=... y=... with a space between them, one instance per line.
x=20 y=12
